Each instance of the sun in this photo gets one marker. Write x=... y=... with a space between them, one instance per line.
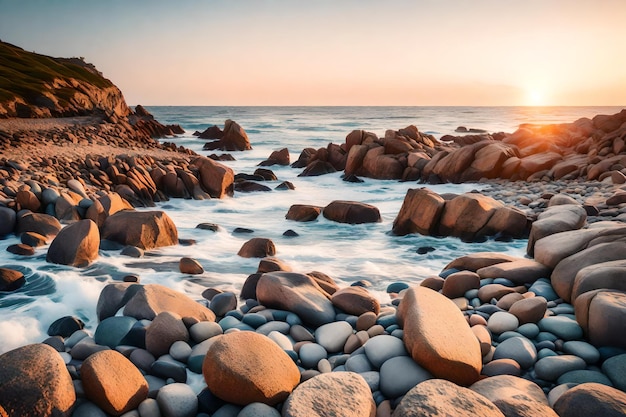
x=535 y=97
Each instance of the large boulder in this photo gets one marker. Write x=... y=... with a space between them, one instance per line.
x=420 y=213
x=246 y=367
x=355 y=301
x=303 y=213
x=10 y=279
x=112 y=382
x=75 y=245
x=216 y=178
x=602 y=315
x=488 y=161
x=8 y=220
x=297 y=293
x=467 y=215
x=351 y=212
x=234 y=138
x=515 y=397
x=340 y=394
x=43 y=224
x=147 y=301
x=438 y=397
x=438 y=337
x=143 y=229
x=257 y=247
x=35 y=382
x=591 y=399
x=606 y=275
x=556 y=219
x=523 y=271
x=106 y=206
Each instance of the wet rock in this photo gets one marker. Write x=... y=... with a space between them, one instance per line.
x=303 y=213
x=216 y=178
x=523 y=271
x=602 y=315
x=147 y=301
x=420 y=213
x=11 y=280
x=257 y=248
x=75 y=245
x=43 y=224
x=165 y=329
x=351 y=212
x=190 y=266
x=8 y=221
x=144 y=229
x=234 y=138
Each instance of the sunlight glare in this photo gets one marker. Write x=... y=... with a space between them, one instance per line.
x=535 y=98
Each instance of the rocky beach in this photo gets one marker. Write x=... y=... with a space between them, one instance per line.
x=83 y=176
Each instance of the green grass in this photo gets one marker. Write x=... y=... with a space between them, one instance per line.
x=24 y=74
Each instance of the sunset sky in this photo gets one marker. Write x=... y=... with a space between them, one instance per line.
x=338 y=52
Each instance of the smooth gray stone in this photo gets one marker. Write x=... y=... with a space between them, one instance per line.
x=545 y=352
x=398 y=375
x=551 y=368
x=227 y=410
x=177 y=400
x=149 y=408
x=543 y=288
x=563 y=327
x=358 y=364
x=112 y=330
x=584 y=350
x=204 y=330
x=383 y=347
x=373 y=379
x=254 y=319
x=274 y=326
x=520 y=349
x=311 y=354
x=88 y=409
x=583 y=376
x=529 y=330
x=615 y=369
x=258 y=410
x=333 y=336
x=166 y=369
x=180 y=351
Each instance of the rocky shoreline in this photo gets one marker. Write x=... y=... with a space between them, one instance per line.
x=490 y=335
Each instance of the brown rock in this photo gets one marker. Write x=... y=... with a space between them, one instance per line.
x=434 y=283
x=75 y=245
x=190 y=266
x=355 y=301
x=351 y=212
x=35 y=382
x=529 y=310
x=420 y=212
x=211 y=132
x=325 y=282
x=10 y=279
x=475 y=261
x=488 y=160
x=591 y=399
x=534 y=163
x=449 y=351
x=501 y=367
x=148 y=301
x=303 y=213
x=380 y=166
x=272 y=265
x=466 y=215
x=508 y=300
x=27 y=200
x=106 y=206
x=8 y=220
x=490 y=291
x=523 y=271
x=555 y=219
x=246 y=367
x=484 y=338
x=257 y=248
x=515 y=397
x=457 y=284
x=235 y=138
x=508 y=221
x=602 y=315
x=165 y=329
x=297 y=293
x=143 y=229
x=354 y=161
x=280 y=157
x=112 y=382
x=33 y=239
x=438 y=397
x=43 y=224
x=606 y=275
x=340 y=394
x=216 y=178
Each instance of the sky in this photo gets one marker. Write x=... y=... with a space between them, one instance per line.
x=338 y=52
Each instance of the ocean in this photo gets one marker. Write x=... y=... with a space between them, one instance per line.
x=348 y=253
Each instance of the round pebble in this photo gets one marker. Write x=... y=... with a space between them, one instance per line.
x=311 y=354
x=501 y=321
x=520 y=349
x=300 y=334
x=584 y=350
x=254 y=319
x=398 y=375
x=258 y=410
x=177 y=400
x=358 y=364
x=274 y=326
x=550 y=368
x=149 y=408
x=583 y=376
x=381 y=348
x=180 y=351
x=528 y=330
x=204 y=330
x=563 y=327
x=333 y=336
x=281 y=340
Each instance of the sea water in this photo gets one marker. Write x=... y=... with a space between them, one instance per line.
x=348 y=253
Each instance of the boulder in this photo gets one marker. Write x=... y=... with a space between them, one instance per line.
x=466 y=215
x=355 y=301
x=591 y=399
x=488 y=161
x=303 y=213
x=175 y=400
x=234 y=138
x=165 y=329
x=475 y=261
x=147 y=301
x=34 y=381
x=143 y=229
x=520 y=272
x=555 y=219
x=438 y=397
x=341 y=394
x=420 y=213
x=211 y=132
x=508 y=221
x=217 y=179
x=246 y=367
x=606 y=275
x=190 y=266
x=76 y=245
x=458 y=283
x=449 y=351
x=112 y=382
x=257 y=248
x=43 y=224
x=351 y=212
x=27 y=200
x=515 y=397
x=11 y=280
x=588 y=265
x=8 y=220
x=602 y=315
x=297 y=293
x=106 y=206
x=280 y=157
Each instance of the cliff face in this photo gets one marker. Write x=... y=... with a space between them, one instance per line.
x=33 y=85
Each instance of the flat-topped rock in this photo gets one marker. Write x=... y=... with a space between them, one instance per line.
x=143 y=229
x=556 y=219
x=523 y=271
x=420 y=212
x=351 y=212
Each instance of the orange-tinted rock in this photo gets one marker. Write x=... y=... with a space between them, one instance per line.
x=529 y=310
x=10 y=279
x=75 y=245
x=555 y=219
x=535 y=163
x=27 y=200
x=438 y=397
x=165 y=329
x=602 y=315
x=152 y=299
x=515 y=396
x=303 y=213
x=356 y=156
x=355 y=301
x=508 y=221
x=246 y=367
x=606 y=275
x=466 y=215
x=325 y=282
x=434 y=283
x=457 y=284
x=420 y=212
x=234 y=138
x=438 y=337
x=106 y=206
x=523 y=271
x=217 y=179
x=143 y=229
x=473 y=262
x=490 y=291
x=34 y=381
x=112 y=382
x=257 y=248
x=190 y=266
x=43 y=224
x=344 y=394
x=272 y=265
x=591 y=399
x=351 y=212
x=488 y=160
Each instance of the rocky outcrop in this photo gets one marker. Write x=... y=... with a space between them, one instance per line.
x=470 y=216
x=234 y=138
